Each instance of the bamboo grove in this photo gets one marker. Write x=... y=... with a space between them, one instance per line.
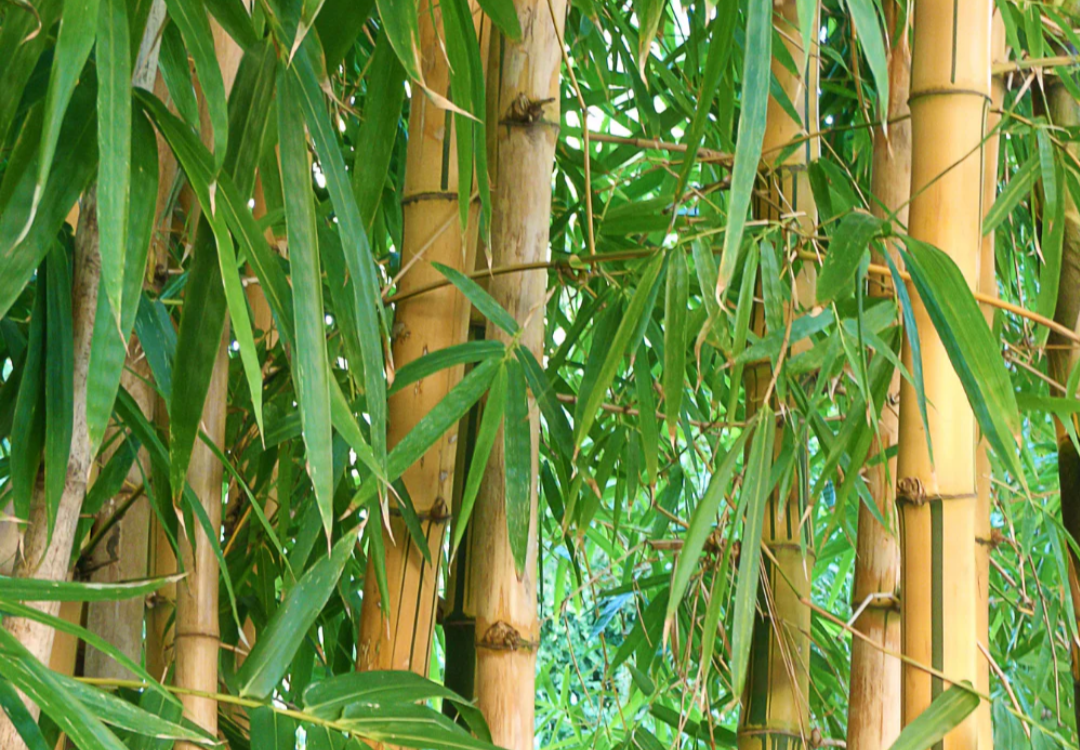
x=539 y=374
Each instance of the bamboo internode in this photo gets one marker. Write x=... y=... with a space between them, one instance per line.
x=523 y=99
x=422 y=324
x=874 y=695
x=950 y=93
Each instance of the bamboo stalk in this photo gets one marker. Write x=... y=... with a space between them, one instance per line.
x=160 y=608
x=776 y=708
x=987 y=284
x=1065 y=111
x=38 y=558
x=874 y=695
x=196 y=629
x=950 y=93
x=422 y=324
x=523 y=109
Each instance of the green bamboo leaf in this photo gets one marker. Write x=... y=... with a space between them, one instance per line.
x=971 y=347
x=113 y=56
x=721 y=42
x=437 y=421
x=544 y=393
x=25 y=724
x=190 y=17
x=647 y=422
x=176 y=72
x=485 y=440
x=109 y=348
x=1053 y=238
x=701 y=523
x=755 y=501
x=311 y=364
x=201 y=327
x=20 y=50
x=234 y=18
x=675 y=313
x=410 y=726
x=26 y=452
x=378 y=131
x=42 y=686
x=452 y=356
x=1019 y=187
x=517 y=449
x=467 y=83
x=482 y=301
x=90 y=638
x=757 y=73
x=118 y=713
x=73 y=167
x=306 y=94
x=329 y=698
x=911 y=331
x=270 y=730
x=38 y=590
x=288 y=627
x=649 y=14
x=846 y=249
x=624 y=341
x=941 y=716
x=339 y=24
x=504 y=15
x=401 y=24
x=59 y=379
x=157 y=336
x=73 y=45
x=868 y=26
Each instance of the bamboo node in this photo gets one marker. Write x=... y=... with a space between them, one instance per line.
x=525 y=110
x=910 y=490
x=502 y=636
x=996 y=539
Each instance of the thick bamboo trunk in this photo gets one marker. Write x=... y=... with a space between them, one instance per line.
x=987 y=284
x=874 y=697
x=1063 y=358
x=523 y=109
x=38 y=558
x=196 y=630
x=938 y=504
x=776 y=700
x=402 y=639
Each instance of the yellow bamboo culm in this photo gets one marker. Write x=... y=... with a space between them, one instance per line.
x=950 y=93
x=874 y=695
x=196 y=634
x=523 y=112
x=423 y=324
x=776 y=702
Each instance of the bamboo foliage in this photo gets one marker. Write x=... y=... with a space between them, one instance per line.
x=667 y=446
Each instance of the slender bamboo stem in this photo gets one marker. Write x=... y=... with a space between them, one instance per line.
x=874 y=695
x=196 y=631
x=950 y=93
x=523 y=109
x=776 y=708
